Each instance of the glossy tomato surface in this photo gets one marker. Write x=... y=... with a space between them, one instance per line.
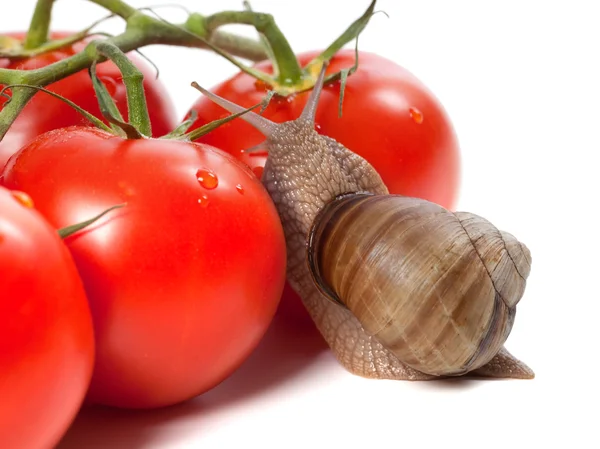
x=44 y=113
x=184 y=280
x=389 y=117
x=46 y=333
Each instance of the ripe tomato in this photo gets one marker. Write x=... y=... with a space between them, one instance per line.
x=184 y=280
x=389 y=117
x=44 y=113
x=46 y=333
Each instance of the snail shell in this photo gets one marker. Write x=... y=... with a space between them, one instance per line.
x=400 y=288
x=437 y=289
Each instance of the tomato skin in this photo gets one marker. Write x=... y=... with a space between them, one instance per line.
x=44 y=113
x=46 y=333
x=184 y=280
x=414 y=159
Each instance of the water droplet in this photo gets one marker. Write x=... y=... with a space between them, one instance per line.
x=258 y=171
x=240 y=189
x=317 y=127
x=416 y=115
x=203 y=200
x=207 y=178
x=22 y=198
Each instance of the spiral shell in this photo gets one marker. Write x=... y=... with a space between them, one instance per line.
x=438 y=289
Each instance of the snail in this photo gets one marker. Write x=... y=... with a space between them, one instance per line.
x=399 y=287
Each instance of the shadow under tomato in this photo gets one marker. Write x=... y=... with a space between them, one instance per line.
x=289 y=348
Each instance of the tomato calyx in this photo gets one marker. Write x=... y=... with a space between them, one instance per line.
x=138 y=124
x=139 y=120
x=136 y=100
x=288 y=76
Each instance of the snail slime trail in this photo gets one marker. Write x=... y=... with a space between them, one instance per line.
x=399 y=287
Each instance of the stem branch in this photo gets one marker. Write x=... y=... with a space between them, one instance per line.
x=117 y=7
x=288 y=70
x=142 y=30
x=40 y=24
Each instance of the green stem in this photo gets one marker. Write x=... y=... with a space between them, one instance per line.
x=9 y=76
x=239 y=46
x=288 y=71
x=198 y=21
x=117 y=7
x=352 y=32
x=262 y=38
x=134 y=86
x=141 y=30
x=40 y=25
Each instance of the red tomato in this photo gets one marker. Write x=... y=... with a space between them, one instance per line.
x=389 y=117
x=46 y=333
x=44 y=113
x=184 y=280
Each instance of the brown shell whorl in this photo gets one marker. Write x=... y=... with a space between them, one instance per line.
x=437 y=289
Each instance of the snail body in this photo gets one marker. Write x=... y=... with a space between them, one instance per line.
x=399 y=287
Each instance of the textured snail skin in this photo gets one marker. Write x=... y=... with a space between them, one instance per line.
x=305 y=172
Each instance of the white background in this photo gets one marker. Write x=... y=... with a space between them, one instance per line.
x=521 y=82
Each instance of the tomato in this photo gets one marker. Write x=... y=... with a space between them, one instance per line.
x=46 y=333
x=44 y=113
x=389 y=117
x=184 y=280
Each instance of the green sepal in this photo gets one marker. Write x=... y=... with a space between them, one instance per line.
x=183 y=128
x=344 y=73
x=352 y=32
x=109 y=109
x=205 y=129
x=90 y=117
x=72 y=229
